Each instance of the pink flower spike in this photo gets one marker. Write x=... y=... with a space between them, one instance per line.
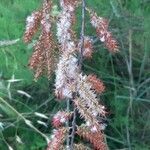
x=59 y=119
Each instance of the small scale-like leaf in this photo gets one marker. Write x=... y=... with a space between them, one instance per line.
x=18 y=139
x=41 y=115
x=24 y=93
x=42 y=123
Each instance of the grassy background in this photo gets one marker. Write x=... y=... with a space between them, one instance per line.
x=126 y=75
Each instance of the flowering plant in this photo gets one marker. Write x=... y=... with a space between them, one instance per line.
x=77 y=89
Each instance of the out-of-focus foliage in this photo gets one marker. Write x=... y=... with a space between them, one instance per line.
x=126 y=75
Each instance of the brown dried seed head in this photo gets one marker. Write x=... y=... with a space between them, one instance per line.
x=96 y=138
x=32 y=24
x=88 y=47
x=104 y=35
x=97 y=84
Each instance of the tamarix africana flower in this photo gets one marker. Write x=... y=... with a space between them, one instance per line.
x=80 y=91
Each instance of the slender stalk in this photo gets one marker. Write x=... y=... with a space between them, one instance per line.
x=82 y=34
x=67 y=124
x=131 y=90
x=73 y=129
x=80 y=61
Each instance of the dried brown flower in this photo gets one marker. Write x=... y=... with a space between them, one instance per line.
x=105 y=36
x=32 y=24
x=95 y=138
x=81 y=147
x=85 y=112
x=97 y=84
x=69 y=4
x=43 y=59
x=88 y=47
x=70 y=83
x=57 y=139
x=60 y=118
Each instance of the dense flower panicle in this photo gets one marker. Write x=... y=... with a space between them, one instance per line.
x=91 y=116
x=95 y=138
x=66 y=74
x=78 y=146
x=45 y=21
x=87 y=104
x=42 y=59
x=67 y=67
x=36 y=57
x=89 y=96
x=60 y=118
x=48 y=43
x=81 y=147
x=64 y=32
x=86 y=113
x=68 y=4
x=94 y=128
x=88 y=47
x=64 y=26
x=32 y=24
x=39 y=70
x=36 y=61
x=70 y=83
x=57 y=139
x=97 y=84
x=105 y=36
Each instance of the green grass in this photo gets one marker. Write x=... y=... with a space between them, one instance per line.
x=126 y=75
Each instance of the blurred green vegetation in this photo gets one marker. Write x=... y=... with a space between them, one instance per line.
x=126 y=75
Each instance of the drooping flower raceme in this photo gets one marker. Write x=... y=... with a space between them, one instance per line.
x=60 y=118
x=42 y=60
x=104 y=35
x=67 y=68
x=32 y=24
x=70 y=82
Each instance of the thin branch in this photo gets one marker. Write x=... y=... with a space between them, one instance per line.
x=131 y=91
x=82 y=34
x=67 y=124
x=73 y=129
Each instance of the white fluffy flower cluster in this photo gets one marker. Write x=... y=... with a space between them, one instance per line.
x=63 y=26
x=63 y=31
x=30 y=21
x=66 y=74
x=57 y=139
x=60 y=116
x=45 y=23
x=66 y=5
x=95 y=20
x=67 y=67
x=100 y=22
x=94 y=128
x=88 y=96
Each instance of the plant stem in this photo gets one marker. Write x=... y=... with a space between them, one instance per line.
x=132 y=90
x=82 y=34
x=67 y=124
x=73 y=129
